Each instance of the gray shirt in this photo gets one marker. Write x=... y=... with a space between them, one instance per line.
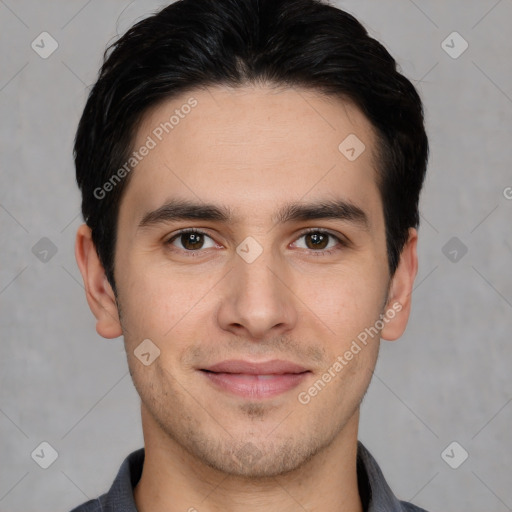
x=375 y=493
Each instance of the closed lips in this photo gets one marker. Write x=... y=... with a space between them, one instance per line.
x=268 y=368
x=252 y=380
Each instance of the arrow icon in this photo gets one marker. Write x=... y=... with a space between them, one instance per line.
x=351 y=147
x=249 y=249
x=44 y=45
x=146 y=352
x=44 y=455
x=454 y=45
x=44 y=250
x=454 y=455
x=454 y=249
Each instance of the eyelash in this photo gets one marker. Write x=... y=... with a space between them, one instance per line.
x=324 y=252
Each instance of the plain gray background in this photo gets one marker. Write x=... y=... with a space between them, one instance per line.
x=447 y=379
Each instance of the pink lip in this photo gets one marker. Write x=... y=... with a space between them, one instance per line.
x=255 y=380
x=275 y=366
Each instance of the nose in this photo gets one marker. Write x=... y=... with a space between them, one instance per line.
x=257 y=299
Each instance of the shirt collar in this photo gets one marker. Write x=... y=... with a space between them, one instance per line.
x=375 y=493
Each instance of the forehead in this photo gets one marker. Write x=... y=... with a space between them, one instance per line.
x=253 y=148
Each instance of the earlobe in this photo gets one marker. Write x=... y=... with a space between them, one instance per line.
x=99 y=293
x=398 y=306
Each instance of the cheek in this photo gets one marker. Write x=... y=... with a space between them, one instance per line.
x=160 y=304
x=165 y=303
x=346 y=302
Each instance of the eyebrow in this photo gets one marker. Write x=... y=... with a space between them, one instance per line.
x=179 y=209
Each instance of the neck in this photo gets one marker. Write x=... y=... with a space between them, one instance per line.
x=173 y=480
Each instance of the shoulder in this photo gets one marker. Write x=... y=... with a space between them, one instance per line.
x=120 y=496
x=374 y=490
x=95 y=505
x=409 y=507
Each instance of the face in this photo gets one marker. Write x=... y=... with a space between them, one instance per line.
x=281 y=269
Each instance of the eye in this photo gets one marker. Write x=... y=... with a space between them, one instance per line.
x=191 y=240
x=321 y=242
x=317 y=241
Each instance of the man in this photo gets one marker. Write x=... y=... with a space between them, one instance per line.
x=250 y=173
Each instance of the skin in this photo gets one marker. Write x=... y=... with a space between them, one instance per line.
x=251 y=149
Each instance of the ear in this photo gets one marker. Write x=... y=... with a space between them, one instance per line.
x=398 y=306
x=99 y=293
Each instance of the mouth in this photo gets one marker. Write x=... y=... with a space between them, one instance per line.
x=255 y=380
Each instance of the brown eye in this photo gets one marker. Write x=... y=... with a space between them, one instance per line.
x=191 y=240
x=320 y=242
x=316 y=240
